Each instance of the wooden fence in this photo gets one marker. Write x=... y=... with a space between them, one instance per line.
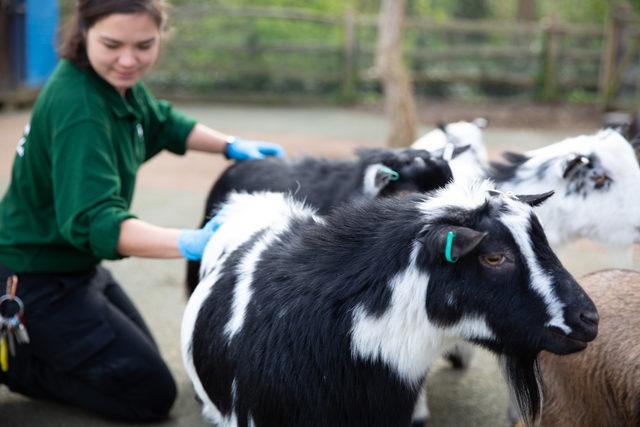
x=620 y=71
x=265 y=52
x=225 y=51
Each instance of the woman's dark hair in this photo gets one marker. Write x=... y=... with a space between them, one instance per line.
x=88 y=12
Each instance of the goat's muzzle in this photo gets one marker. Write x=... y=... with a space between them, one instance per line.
x=584 y=328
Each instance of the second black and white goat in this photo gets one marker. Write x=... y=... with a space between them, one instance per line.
x=327 y=183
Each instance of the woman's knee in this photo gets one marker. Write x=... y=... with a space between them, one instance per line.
x=152 y=395
x=135 y=388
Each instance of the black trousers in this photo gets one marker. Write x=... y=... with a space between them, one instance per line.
x=89 y=348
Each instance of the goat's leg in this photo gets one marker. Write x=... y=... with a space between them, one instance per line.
x=421 y=411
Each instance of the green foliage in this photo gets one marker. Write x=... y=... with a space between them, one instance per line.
x=579 y=11
x=581 y=96
x=471 y=9
x=213 y=54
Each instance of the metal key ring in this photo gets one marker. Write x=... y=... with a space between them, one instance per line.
x=5 y=298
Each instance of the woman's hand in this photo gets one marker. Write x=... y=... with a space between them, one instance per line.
x=242 y=149
x=191 y=243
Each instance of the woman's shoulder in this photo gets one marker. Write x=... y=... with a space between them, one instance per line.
x=72 y=92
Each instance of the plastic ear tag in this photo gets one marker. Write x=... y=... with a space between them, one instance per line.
x=393 y=175
x=447 y=250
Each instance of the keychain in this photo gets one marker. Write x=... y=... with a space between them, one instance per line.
x=12 y=329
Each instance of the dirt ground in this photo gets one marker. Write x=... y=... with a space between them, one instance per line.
x=171 y=192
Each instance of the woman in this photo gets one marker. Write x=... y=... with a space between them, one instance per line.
x=66 y=209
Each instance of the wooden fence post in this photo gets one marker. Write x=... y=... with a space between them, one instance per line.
x=609 y=58
x=552 y=34
x=397 y=85
x=349 y=76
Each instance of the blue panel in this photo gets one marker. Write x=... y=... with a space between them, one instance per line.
x=42 y=24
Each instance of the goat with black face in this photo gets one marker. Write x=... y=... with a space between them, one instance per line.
x=317 y=321
x=325 y=184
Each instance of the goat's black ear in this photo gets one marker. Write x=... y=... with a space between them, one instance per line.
x=442 y=126
x=459 y=150
x=463 y=241
x=635 y=141
x=573 y=164
x=442 y=153
x=621 y=128
x=534 y=200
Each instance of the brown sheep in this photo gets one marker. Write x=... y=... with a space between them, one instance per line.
x=599 y=386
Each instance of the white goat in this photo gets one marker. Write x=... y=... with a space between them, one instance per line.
x=454 y=135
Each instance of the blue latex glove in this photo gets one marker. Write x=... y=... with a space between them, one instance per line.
x=191 y=243
x=242 y=149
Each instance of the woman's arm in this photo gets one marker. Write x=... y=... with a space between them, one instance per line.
x=139 y=238
x=203 y=138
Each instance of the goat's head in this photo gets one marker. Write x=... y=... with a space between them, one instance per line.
x=457 y=133
x=495 y=281
x=447 y=137
x=398 y=171
x=594 y=177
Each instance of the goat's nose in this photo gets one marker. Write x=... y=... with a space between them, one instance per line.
x=590 y=317
x=586 y=329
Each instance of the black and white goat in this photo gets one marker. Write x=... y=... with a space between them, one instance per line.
x=302 y=320
x=324 y=183
x=595 y=178
x=449 y=136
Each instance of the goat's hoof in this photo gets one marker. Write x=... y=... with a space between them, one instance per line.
x=419 y=422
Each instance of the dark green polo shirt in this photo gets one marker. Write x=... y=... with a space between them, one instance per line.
x=74 y=172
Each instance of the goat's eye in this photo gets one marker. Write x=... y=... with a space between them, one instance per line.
x=493 y=260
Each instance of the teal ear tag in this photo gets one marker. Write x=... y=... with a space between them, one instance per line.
x=447 y=250
x=393 y=175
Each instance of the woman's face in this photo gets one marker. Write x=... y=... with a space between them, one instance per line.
x=122 y=47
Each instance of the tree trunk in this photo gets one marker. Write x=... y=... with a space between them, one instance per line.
x=398 y=89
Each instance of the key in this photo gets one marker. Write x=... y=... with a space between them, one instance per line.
x=12 y=284
x=11 y=342
x=22 y=335
x=4 y=352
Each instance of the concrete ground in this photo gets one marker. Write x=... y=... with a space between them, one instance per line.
x=171 y=192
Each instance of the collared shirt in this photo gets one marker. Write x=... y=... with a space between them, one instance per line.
x=74 y=172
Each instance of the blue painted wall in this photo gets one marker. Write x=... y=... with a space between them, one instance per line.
x=41 y=27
